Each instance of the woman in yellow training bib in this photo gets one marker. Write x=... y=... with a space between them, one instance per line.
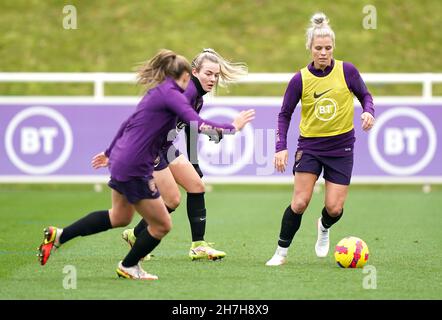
x=325 y=88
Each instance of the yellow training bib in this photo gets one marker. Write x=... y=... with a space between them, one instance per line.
x=326 y=102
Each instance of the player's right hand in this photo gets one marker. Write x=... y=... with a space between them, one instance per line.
x=243 y=118
x=280 y=160
x=100 y=161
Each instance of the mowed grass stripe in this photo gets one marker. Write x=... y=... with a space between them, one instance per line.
x=400 y=225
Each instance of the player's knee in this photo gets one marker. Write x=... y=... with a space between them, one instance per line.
x=164 y=228
x=120 y=222
x=174 y=201
x=299 y=205
x=118 y=219
x=197 y=186
x=333 y=209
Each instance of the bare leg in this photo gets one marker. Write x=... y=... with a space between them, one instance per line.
x=291 y=219
x=168 y=188
x=335 y=195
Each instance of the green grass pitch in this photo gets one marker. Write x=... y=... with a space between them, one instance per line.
x=400 y=224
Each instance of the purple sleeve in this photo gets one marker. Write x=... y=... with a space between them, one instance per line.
x=191 y=94
x=117 y=136
x=357 y=86
x=292 y=96
x=179 y=105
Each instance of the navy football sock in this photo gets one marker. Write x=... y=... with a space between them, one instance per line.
x=140 y=227
x=290 y=223
x=144 y=245
x=327 y=220
x=94 y=222
x=196 y=212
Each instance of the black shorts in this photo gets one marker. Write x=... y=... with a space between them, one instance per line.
x=165 y=157
x=136 y=189
x=336 y=169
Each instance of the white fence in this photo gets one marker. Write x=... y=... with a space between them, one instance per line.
x=99 y=79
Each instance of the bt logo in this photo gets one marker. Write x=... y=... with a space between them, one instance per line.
x=325 y=109
x=398 y=140
x=403 y=141
x=31 y=137
x=38 y=140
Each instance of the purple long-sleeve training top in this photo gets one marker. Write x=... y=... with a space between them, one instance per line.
x=334 y=146
x=136 y=146
x=194 y=94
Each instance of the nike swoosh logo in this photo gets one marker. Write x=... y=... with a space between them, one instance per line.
x=317 y=95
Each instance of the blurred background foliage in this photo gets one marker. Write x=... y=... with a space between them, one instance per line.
x=269 y=35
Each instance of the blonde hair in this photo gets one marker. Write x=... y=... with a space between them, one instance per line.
x=230 y=72
x=319 y=28
x=165 y=63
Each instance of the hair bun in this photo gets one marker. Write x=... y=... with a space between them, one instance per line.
x=319 y=20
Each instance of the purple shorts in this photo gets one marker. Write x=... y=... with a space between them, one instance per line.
x=336 y=169
x=135 y=189
x=165 y=157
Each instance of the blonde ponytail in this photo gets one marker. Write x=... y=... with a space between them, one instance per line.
x=319 y=28
x=230 y=72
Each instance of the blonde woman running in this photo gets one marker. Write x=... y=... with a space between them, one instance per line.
x=208 y=70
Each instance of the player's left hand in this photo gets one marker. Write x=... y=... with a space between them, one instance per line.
x=243 y=118
x=100 y=161
x=367 y=121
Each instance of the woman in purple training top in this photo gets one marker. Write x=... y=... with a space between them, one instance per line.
x=208 y=70
x=325 y=88
x=132 y=154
